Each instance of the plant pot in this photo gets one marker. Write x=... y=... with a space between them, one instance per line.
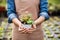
x=27 y=26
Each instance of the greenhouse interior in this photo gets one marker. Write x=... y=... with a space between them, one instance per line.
x=51 y=27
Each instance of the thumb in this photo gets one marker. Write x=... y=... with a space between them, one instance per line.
x=20 y=28
x=34 y=26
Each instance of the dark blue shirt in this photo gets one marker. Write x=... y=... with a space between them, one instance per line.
x=11 y=12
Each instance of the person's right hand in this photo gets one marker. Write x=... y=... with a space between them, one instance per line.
x=22 y=29
x=19 y=25
x=32 y=29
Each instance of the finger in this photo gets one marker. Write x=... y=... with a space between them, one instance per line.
x=31 y=30
x=24 y=31
x=20 y=29
x=34 y=26
x=28 y=31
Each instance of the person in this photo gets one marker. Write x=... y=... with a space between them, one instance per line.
x=39 y=11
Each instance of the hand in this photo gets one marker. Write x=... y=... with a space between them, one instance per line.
x=30 y=30
x=19 y=24
x=22 y=29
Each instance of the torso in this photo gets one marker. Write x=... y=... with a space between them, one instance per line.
x=27 y=6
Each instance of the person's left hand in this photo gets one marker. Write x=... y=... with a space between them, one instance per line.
x=32 y=29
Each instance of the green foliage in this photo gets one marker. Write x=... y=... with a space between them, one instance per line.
x=54 y=1
x=54 y=5
x=3 y=3
x=26 y=19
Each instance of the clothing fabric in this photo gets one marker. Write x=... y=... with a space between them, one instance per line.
x=11 y=10
x=26 y=7
x=36 y=35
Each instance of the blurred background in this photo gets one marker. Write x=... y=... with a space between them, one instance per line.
x=51 y=27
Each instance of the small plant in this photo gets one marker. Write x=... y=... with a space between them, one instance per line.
x=26 y=19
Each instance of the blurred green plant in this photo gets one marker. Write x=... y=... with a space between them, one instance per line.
x=54 y=5
x=2 y=2
x=54 y=1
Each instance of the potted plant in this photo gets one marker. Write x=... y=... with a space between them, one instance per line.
x=26 y=20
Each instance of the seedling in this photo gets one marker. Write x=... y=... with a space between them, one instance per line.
x=26 y=20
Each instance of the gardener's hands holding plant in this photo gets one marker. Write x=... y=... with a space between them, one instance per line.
x=36 y=22
x=28 y=20
x=22 y=29
x=32 y=29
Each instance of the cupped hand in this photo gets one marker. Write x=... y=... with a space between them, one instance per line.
x=22 y=29
x=32 y=29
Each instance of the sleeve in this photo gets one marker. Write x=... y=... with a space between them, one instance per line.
x=44 y=9
x=11 y=13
